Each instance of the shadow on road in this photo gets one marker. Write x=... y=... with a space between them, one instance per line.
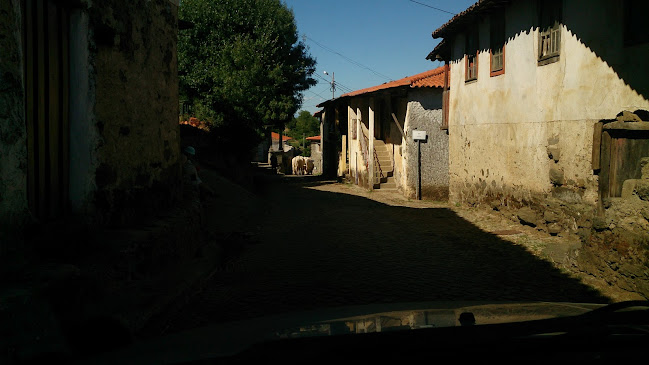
x=321 y=249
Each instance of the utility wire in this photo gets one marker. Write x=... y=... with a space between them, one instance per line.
x=342 y=87
x=432 y=7
x=348 y=59
x=338 y=84
x=318 y=94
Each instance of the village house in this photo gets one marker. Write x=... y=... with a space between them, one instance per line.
x=377 y=126
x=283 y=152
x=547 y=114
x=530 y=81
x=89 y=109
x=89 y=142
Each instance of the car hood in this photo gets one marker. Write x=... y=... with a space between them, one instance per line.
x=227 y=339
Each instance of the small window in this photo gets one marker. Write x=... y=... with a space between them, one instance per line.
x=549 y=30
x=472 y=55
x=497 y=44
x=636 y=27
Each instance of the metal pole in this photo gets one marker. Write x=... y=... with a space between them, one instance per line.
x=418 y=169
x=356 y=167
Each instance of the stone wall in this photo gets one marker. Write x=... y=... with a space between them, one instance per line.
x=616 y=249
x=13 y=145
x=133 y=53
x=425 y=113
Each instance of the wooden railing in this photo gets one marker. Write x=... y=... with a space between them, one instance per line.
x=365 y=149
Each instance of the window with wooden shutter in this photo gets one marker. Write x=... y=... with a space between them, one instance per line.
x=549 y=30
x=497 y=44
x=471 y=55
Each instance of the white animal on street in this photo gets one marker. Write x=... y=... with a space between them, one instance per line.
x=309 y=166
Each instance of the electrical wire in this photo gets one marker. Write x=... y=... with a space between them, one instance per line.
x=432 y=7
x=356 y=63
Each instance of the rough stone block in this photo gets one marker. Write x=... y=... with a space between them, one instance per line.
x=567 y=195
x=554 y=153
x=527 y=216
x=641 y=189
x=554 y=229
x=550 y=216
x=627 y=116
x=628 y=188
x=556 y=176
x=600 y=223
x=644 y=167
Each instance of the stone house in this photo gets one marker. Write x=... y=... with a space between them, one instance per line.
x=381 y=119
x=88 y=109
x=547 y=115
x=531 y=81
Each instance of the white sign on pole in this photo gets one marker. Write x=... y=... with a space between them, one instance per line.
x=418 y=135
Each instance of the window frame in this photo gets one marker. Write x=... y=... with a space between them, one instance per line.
x=500 y=17
x=471 y=52
x=545 y=30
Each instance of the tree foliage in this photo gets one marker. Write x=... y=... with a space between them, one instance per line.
x=242 y=65
x=304 y=125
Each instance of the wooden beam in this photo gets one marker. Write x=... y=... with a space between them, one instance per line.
x=597 y=145
x=396 y=121
x=605 y=164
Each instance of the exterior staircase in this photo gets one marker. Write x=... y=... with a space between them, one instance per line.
x=383 y=170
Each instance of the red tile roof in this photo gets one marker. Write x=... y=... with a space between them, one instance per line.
x=314 y=138
x=467 y=16
x=431 y=78
x=275 y=137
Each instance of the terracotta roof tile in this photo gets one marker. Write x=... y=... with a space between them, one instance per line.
x=314 y=138
x=275 y=137
x=431 y=78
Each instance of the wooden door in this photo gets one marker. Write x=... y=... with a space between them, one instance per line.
x=46 y=55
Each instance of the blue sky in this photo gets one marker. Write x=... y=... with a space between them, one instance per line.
x=368 y=42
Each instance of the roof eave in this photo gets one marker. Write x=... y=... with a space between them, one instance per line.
x=460 y=21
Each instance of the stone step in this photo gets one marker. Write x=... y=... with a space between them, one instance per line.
x=386 y=174
x=389 y=185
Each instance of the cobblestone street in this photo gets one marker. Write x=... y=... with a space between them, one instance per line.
x=322 y=244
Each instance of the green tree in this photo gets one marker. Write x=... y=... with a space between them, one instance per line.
x=242 y=65
x=304 y=125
